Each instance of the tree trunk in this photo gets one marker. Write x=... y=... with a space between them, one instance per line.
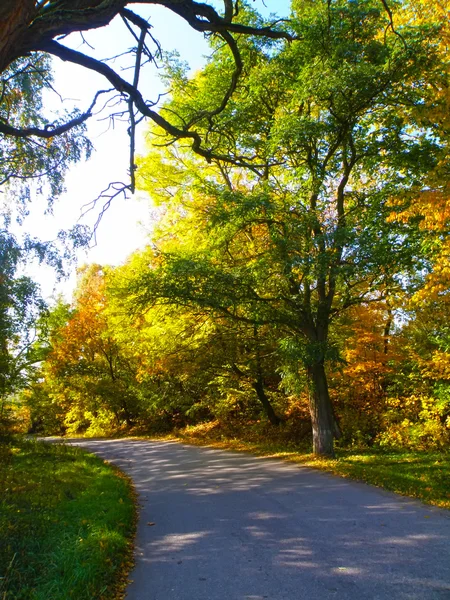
x=324 y=425
x=15 y=18
x=387 y=329
x=127 y=415
x=258 y=386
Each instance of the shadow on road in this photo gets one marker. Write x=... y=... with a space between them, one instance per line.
x=217 y=525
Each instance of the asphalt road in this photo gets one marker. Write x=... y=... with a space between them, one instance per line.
x=218 y=525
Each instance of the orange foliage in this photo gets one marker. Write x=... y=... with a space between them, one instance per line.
x=371 y=354
x=369 y=349
x=84 y=332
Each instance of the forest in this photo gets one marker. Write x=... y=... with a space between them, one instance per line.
x=296 y=282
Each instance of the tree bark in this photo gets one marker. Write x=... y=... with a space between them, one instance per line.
x=324 y=425
x=15 y=18
x=26 y=26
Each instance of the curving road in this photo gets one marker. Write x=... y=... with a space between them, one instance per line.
x=218 y=525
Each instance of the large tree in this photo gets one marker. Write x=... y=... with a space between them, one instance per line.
x=335 y=125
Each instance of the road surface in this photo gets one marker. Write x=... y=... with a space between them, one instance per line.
x=218 y=525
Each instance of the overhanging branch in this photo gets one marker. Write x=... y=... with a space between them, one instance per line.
x=131 y=92
x=50 y=130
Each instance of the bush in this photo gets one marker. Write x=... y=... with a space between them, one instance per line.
x=417 y=422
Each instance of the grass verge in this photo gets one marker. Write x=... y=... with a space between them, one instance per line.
x=421 y=475
x=67 y=521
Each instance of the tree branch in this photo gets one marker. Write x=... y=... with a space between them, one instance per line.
x=50 y=131
x=127 y=89
x=32 y=26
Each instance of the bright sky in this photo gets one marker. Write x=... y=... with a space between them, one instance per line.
x=126 y=224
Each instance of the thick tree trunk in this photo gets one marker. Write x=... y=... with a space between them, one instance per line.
x=258 y=386
x=324 y=425
x=15 y=18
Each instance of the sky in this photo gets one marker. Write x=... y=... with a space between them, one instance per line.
x=126 y=225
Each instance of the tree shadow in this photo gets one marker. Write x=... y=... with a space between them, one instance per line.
x=219 y=525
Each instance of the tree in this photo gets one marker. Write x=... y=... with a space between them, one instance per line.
x=33 y=30
x=333 y=128
x=21 y=305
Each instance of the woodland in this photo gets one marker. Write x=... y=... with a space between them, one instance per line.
x=297 y=280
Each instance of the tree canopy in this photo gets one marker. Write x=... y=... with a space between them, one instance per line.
x=34 y=30
x=285 y=274
x=306 y=231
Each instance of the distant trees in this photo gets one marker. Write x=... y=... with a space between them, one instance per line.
x=85 y=371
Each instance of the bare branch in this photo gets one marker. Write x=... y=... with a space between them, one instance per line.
x=234 y=80
x=132 y=128
x=32 y=26
x=127 y=89
x=391 y=22
x=203 y=17
x=114 y=189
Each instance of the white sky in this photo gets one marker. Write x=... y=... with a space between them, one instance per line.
x=126 y=224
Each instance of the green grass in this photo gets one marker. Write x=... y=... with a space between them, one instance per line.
x=67 y=520
x=418 y=474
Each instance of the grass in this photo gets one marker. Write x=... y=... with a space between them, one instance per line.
x=67 y=521
x=418 y=474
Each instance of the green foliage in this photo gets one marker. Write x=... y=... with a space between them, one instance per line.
x=24 y=320
x=26 y=163
x=66 y=519
x=303 y=231
x=20 y=307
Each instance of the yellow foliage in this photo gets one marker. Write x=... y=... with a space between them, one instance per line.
x=431 y=202
x=438 y=367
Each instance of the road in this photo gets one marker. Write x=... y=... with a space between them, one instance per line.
x=218 y=525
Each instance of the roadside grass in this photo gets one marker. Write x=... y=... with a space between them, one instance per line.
x=418 y=474
x=67 y=521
